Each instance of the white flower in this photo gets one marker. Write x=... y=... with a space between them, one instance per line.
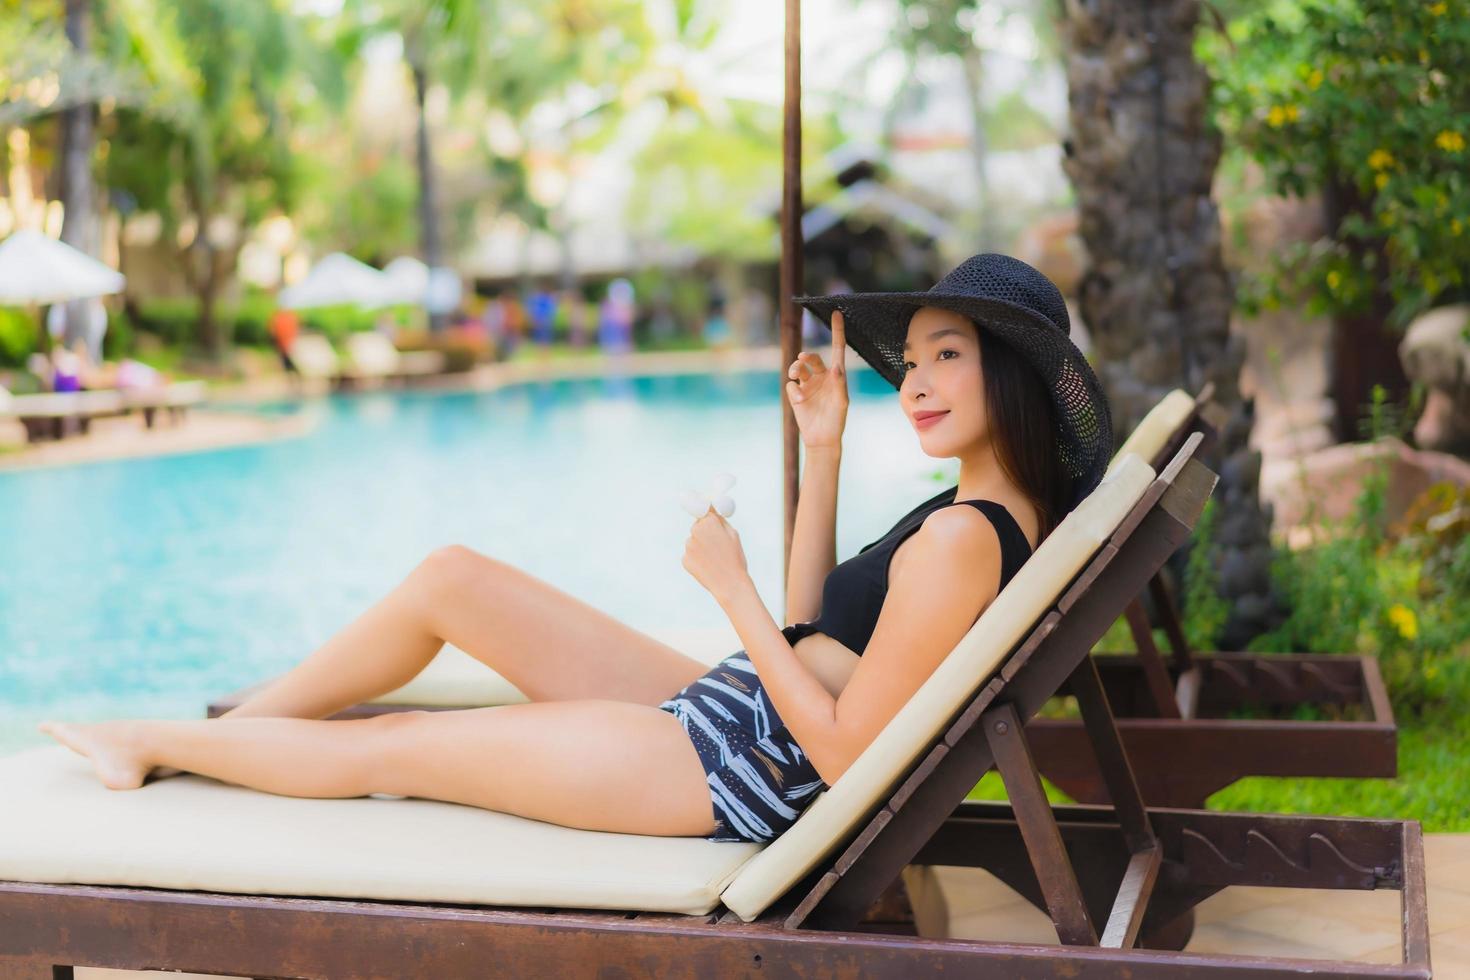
x=698 y=503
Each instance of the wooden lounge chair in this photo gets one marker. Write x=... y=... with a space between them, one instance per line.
x=234 y=881
x=373 y=360
x=57 y=414
x=314 y=357
x=1171 y=713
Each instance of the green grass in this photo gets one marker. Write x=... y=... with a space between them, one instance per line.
x=1433 y=784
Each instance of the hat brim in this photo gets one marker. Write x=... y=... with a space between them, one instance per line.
x=876 y=325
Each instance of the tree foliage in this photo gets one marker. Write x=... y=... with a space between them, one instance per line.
x=1364 y=99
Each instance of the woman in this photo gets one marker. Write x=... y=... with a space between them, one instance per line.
x=741 y=748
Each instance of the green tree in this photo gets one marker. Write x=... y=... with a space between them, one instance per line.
x=211 y=152
x=1367 y=104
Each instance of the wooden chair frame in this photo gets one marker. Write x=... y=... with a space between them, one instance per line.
x=1103 y=873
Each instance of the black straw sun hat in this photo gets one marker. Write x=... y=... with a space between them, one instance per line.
x=1016 y=304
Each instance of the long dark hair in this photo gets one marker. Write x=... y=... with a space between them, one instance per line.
x=1023 y=425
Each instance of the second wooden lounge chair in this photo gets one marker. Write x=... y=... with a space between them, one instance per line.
x=191 y=874
x=1174 y=715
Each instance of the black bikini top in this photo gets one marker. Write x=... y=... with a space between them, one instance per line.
x=853 y=592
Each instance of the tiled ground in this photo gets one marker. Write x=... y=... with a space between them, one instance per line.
x=1271 y=921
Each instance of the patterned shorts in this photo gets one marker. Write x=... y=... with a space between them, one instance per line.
x=759 y=778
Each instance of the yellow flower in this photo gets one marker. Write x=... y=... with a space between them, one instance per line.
x=1379 y=180
x=1292 y=112
x=1314 y=79
x=1423 y=57
x=1403 y=620
x=1276 y=117
x=1334 y=279
x=1380 y=159
x=1449 y=141
x=1438 y=9
x=1456 y=227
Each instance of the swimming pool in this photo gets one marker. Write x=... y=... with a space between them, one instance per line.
x=142 y=588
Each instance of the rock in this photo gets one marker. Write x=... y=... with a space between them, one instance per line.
x=1331 y=479
x=1435 y=352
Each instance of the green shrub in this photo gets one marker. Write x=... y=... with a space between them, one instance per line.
x=176 y=320
x=1205 y=610
x=19 y=335
x=336 y=322
x=121 y=338
x=1399 y=592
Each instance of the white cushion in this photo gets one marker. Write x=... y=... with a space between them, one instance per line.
x=1161 y=422
x=454 y=679
x=59 y=824
x=834 y=814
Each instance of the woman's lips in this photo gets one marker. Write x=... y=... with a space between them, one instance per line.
x=925 y=423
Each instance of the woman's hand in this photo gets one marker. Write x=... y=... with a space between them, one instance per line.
x=818 y=394
x=714 y=557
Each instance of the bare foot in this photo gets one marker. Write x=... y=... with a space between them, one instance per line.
x=111 y=745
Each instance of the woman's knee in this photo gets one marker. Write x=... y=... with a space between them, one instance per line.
x=390 y=743
x=453 y=567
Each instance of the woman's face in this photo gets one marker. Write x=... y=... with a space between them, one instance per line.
x=942 y=362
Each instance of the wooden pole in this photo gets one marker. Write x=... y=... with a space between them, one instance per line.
x=791 y=273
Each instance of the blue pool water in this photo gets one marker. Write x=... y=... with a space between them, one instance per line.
x=143 y=588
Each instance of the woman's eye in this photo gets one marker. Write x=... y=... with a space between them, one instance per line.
x=907 y=365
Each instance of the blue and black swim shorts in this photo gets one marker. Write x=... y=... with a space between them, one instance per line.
x=759 y=778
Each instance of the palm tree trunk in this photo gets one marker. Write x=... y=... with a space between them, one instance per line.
x=428 y=210
x=1156 y=296
x=78 y=197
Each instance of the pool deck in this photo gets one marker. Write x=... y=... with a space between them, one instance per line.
x=1308 y=923
x=125 y=437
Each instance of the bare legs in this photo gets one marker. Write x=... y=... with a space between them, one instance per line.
x=549 y=644
x=591 y=751
x=595 y=765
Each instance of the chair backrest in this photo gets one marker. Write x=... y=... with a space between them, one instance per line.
x=313 y=356
x=832 y=816
x=1158 y=426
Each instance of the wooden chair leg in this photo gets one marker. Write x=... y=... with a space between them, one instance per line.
x=1160 y=687
x=1002 y=726
x=1112 y=759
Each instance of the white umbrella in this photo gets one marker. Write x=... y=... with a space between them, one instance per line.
x=407 y=281
x=337 y=278
x=38 y=269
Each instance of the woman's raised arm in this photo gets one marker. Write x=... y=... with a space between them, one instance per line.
x=814 y=537
x=818 y=397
